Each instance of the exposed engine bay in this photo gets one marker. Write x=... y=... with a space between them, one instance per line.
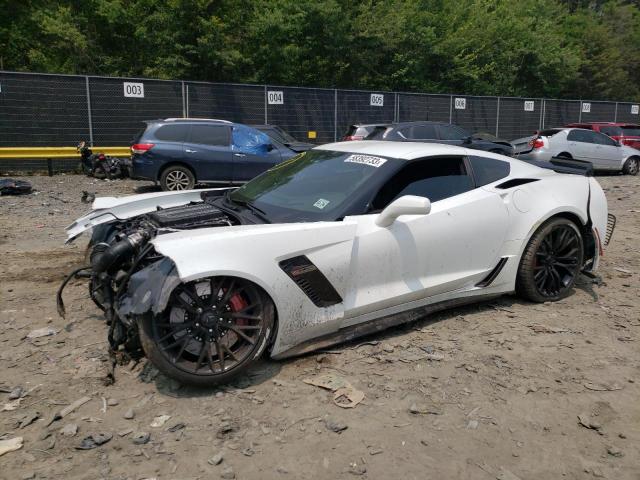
x=119 y=249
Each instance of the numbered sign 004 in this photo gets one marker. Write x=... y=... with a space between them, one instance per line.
x=275 y=97
x=376 y=100
x=135 y=90
x=460 y=103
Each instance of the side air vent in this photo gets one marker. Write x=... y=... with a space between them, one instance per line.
x=611 y=225
x=488 y=280
x=311 y=281
x=515 y=182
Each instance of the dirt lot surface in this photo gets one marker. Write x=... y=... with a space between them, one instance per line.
x=500 y=390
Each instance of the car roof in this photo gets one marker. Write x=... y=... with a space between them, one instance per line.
x=188 y=119
x=400 y=150
x=610 y=124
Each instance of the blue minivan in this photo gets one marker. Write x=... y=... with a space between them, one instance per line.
x=180 y=152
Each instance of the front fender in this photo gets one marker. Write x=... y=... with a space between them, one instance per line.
x=148 y=290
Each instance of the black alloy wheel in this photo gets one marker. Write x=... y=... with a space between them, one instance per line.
x=210 y=329
x=551 y=262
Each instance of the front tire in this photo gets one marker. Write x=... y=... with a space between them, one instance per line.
x=177 y=178
x=631 y=166
x=211 y=330
x=551 y=262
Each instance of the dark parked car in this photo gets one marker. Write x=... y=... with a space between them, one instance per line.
x=180 y=152
x=435 y=132
x=278 y=135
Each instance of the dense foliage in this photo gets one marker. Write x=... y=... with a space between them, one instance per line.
x=552 y=48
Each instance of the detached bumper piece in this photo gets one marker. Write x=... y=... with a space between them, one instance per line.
x=611 y=225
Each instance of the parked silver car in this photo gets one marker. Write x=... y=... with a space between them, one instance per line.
x=601 y=151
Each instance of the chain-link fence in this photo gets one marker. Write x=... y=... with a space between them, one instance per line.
x=60 y=110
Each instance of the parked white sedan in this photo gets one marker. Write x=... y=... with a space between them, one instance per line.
x=601 y=151
x=340 y=241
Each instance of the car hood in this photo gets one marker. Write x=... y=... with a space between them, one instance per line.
x=107 y=209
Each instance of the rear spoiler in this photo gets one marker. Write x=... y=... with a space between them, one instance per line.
x=565 y=165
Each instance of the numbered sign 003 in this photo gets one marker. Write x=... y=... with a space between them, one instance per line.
x=135 y=90
x=377 y=100
x=275 y=97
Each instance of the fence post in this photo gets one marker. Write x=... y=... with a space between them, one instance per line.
x=542 y=112
x=265 y=106
x=615 y=115
x=184 y=105
x=580 y=112
x=335 y=114
x=186 y=100
x=498 y=117
x=450 y=108
x=86 y=83
x=396 y=108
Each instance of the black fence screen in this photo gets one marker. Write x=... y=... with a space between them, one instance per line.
x=60 y=110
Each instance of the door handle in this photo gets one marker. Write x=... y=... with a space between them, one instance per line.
x=190 y=151
x=239 y=155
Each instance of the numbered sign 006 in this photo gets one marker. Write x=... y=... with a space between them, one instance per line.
x=460 y=103
x=377 y=100
x=135 y=90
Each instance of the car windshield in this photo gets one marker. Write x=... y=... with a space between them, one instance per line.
x=632 y=131
x=318 y=185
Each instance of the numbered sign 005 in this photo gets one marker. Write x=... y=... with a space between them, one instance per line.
x=135 y=90
x=586 y=107
x=460 y=103
x=376 y=100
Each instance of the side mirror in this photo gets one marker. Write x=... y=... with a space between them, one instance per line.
x=407 y=205
x=270 y=147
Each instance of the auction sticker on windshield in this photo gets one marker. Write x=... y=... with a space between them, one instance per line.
x=321 y=203
x=366 y=160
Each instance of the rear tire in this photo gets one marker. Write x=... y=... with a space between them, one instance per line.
x=551 y=262
x=99 y=172
x=631 y=166
x=211 y=330
x=177 y=178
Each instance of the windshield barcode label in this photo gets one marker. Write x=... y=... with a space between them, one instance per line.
x=366 y=160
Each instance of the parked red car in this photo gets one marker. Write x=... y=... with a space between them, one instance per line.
x=625 y=133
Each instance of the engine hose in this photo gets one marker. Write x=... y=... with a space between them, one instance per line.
x=103 y=261
x=134 y=265
x=76 y=273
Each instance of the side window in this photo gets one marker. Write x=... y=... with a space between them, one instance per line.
x=435 y=178
x=488 y=170
x=450 y=132
x=250 y=140
x=424 y=132
x=214 y=135
x=602 y=139
x=172 y=133
x=578 y=136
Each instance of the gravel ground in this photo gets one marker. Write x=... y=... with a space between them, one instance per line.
x=499 y=390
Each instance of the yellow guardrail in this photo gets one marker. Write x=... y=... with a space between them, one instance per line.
x=13 y=153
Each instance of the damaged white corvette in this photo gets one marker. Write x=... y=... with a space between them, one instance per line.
x=340 y=241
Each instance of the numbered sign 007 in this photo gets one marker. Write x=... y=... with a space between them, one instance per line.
x=135 y=90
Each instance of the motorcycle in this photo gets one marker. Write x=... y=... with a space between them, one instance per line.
x=101 y=166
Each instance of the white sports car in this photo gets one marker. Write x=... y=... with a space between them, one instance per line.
x=340 y=241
